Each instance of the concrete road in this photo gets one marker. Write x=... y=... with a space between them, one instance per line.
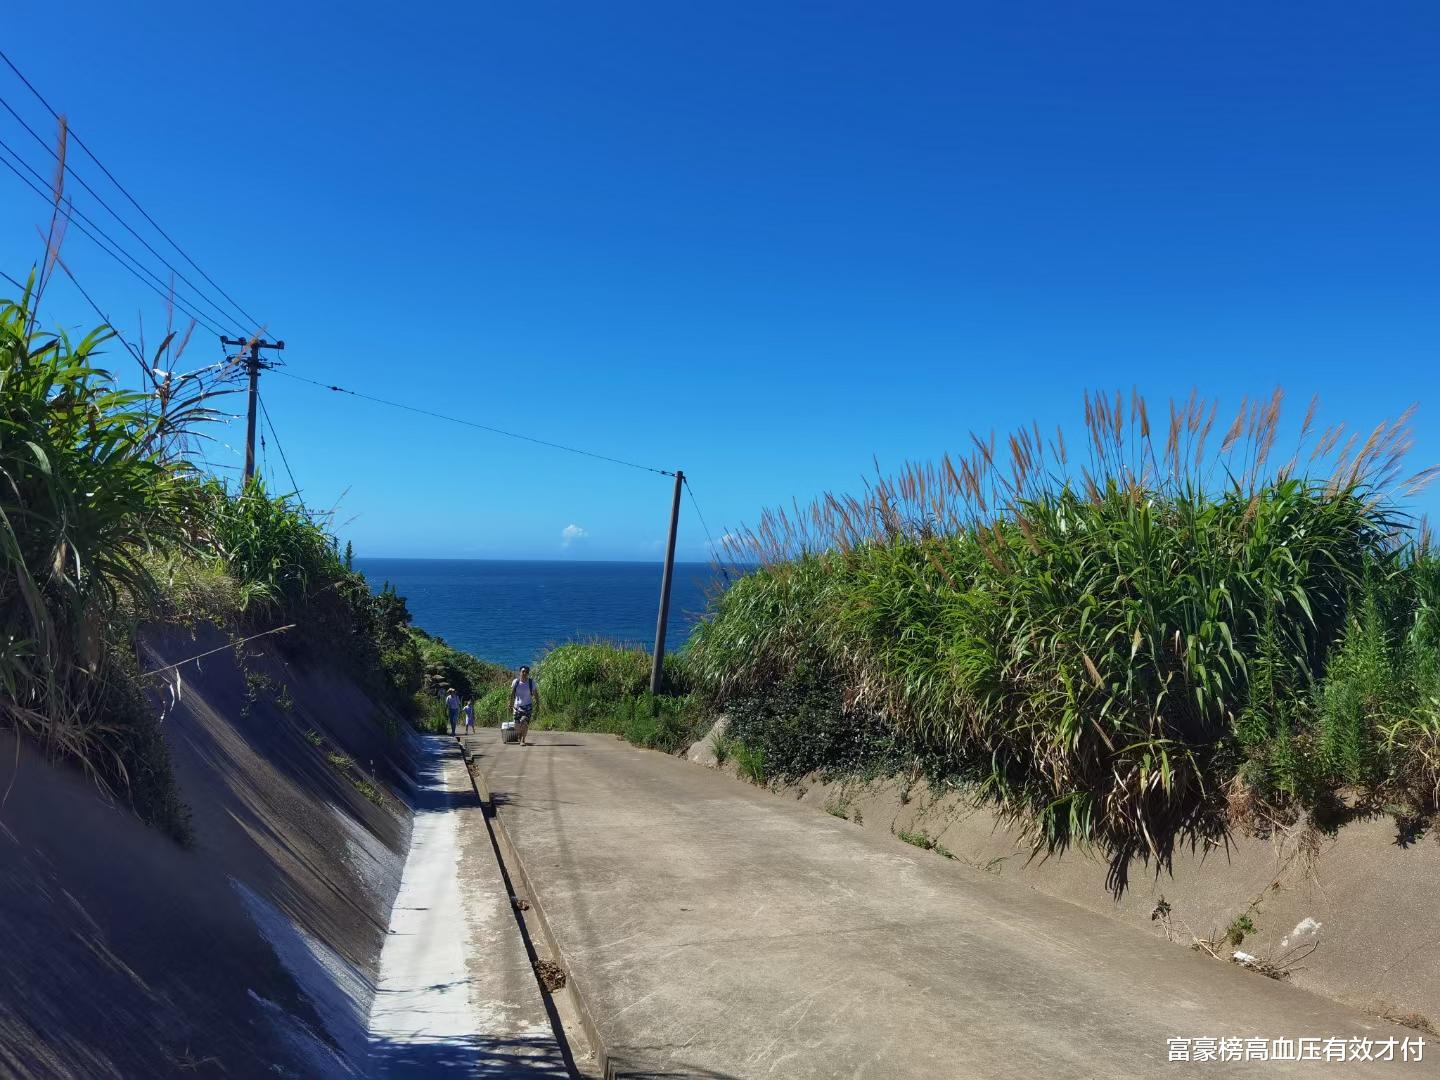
x=715 y=930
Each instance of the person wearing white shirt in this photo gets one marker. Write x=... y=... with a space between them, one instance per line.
x=523 y=699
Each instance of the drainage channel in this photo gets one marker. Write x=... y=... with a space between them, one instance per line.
x=456 y=991
x=563 y=1004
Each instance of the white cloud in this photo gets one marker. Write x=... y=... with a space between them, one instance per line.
x=571 y=533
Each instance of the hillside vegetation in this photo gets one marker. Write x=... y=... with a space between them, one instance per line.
x=595 y=686
x=1174 y=635
x=106 y=524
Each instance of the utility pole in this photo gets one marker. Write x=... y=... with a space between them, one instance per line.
x=657 y=666
x=253 y=364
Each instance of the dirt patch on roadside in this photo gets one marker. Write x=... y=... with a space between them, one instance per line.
x=551 y=975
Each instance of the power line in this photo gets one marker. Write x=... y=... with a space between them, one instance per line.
x=481 y=427
x=131 y=349
x=95 y=307
x=111 y=177
x=119 y=254
x=72 y=212
x=224 y=316
x=713 y=549
x=139 y=359
x=271 y=425
x=262 y=465
x=114 y=250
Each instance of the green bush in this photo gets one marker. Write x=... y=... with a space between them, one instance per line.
x=1104 y=651
x=104 y=524
x=404 y=668
x=94 y=485
x=598 y=687
x=280 y=557
x=801 y=726
x=493 y=707
x=192 y=590
x=750 y=761
x=428 y=713
x=1378 y=714
x=445 y=666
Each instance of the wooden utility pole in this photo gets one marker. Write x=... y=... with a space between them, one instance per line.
x=253 y=364
x=657 y=666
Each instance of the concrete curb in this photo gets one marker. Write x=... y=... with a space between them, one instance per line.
x=512 y=864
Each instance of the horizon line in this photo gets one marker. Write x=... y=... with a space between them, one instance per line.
x=492 y=558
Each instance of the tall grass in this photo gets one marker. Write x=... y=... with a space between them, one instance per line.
x=280 y=556
x=93 y=486
x=104 y=524
x=1378 y=707
x=1080 y=638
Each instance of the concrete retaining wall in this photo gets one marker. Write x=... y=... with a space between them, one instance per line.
x=1378 y=943
x=252 y=953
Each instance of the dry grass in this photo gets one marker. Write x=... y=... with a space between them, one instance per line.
x=984 y=492
x=1097 y=640
x=551 y=975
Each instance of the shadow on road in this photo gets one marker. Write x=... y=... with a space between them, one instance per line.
x=468 y=1056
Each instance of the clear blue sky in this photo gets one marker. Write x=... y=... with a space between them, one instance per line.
x=759 y=241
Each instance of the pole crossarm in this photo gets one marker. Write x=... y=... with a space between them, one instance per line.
x=251 y=358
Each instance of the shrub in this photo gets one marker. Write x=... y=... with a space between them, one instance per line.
x=445 y=666
x=280 y=557
x=428 y=713
x=599 y=687
x=404 y=668
x=191 y=590
x=493 y=707
x=94 y=486
x=1101 y=649
x=749 y=761
x=801 y=725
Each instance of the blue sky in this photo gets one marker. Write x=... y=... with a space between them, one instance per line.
x=763 y=242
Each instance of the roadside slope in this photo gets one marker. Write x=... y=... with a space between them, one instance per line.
x=253 y=952
x=1348 y=914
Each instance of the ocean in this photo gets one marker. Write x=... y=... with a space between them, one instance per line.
x=510 y=612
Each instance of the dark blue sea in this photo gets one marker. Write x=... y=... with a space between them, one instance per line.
x=511 y=612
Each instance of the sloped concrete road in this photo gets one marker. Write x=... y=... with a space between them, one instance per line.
x=714 y=930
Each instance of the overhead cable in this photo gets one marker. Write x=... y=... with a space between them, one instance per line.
x=225 y=317
x=271 y=425
x=714 y=551
x=121 y=187
x=473 y=424
x=119 y=254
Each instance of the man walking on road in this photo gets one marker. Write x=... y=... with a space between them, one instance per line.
x=452 y=706
x=523 y=700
